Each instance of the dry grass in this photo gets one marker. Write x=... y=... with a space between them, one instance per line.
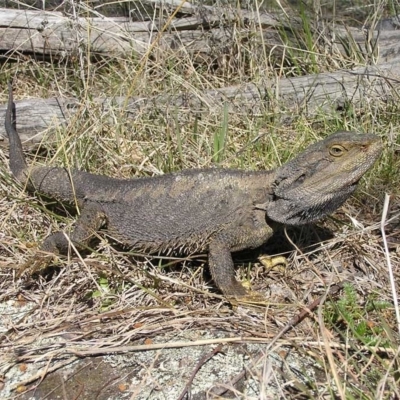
x=112 y=300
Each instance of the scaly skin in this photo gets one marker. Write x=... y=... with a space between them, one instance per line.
x=215 y=210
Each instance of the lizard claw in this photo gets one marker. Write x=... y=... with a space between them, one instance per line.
x=36 y=263
x=251 y=297
x=247 y=296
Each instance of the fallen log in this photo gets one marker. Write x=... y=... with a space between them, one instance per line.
x=329 y=93
x=208 y=32
x=53 y=33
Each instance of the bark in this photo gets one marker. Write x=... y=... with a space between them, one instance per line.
x=208 y=31
x=204 y=31
x=327 y=92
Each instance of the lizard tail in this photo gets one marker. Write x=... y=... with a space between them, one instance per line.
x=18 y=164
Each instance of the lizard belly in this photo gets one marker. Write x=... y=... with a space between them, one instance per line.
x=155 y=227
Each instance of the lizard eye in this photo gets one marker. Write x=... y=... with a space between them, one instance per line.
x=336 y=150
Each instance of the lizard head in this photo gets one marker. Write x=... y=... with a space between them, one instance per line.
x=320 y=179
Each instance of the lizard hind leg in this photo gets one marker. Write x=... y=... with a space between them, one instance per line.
x=92 y=218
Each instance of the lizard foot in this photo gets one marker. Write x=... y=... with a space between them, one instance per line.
x=239 y=293
x=35 y=264
x=279 y=262
x=251 y=297
x=245 y=295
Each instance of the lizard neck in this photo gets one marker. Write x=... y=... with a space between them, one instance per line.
x=259 y=185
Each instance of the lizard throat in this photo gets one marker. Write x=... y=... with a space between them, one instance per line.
x=299 y=210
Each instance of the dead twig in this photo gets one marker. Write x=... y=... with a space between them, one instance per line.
x=388 y=261
x=201 y=362
x=41 y=374
x=290 y=325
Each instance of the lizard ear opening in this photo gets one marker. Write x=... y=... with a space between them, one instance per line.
x=336 y=150
x=301 y=179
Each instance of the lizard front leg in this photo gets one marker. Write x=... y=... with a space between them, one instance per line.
x=252 y=235
x=223 y=272
x=92 y=218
